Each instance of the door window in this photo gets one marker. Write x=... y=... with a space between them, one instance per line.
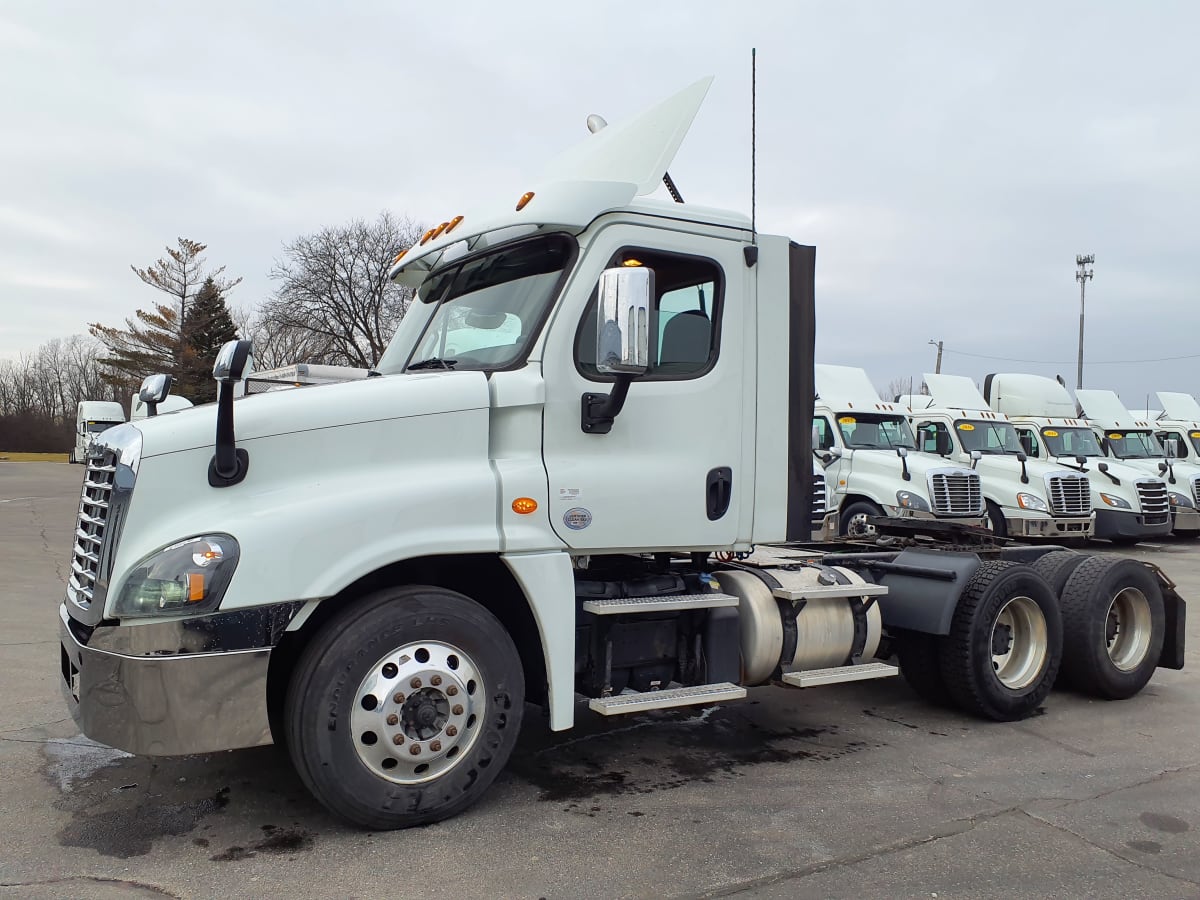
x=686 y=310
x=822 y=434
x=1029 y=442
x=934 y=437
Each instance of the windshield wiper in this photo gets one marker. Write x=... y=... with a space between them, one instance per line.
x=432 y=363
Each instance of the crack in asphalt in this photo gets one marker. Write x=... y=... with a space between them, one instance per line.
x=94 y=879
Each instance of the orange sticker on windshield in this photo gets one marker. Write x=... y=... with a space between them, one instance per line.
x=1196 y=434
x=1049 y=432
x=965 y=426
x=1115 y=437
x=847 y=420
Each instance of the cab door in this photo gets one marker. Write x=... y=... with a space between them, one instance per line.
x=675 y=470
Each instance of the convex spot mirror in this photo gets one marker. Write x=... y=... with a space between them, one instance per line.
x=233 y=361
x=623 y=320
x=155 y=388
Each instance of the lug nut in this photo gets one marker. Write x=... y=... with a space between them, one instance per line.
x=397 y=739
x=452 y=690
x=398 y=697
x=435 y=680
x=451 y=730
x=393 y=719
x=415 y=749
x=435 y=746
x=457 y=709
x=415 y=683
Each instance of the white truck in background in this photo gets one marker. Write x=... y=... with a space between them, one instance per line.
x=92 y=417
x=1132 y=441
x=1177 y=427
x=1026 y=498
x=1130 y=504
x=380 y=574
x=871 y=461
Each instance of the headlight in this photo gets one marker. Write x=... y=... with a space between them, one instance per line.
x=190 y=576
x=1031 y=501
x=909 y=500
x=1181 y=500
x=1116 y=502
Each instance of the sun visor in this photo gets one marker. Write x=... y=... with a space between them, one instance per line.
x=955 y=392
x=1018 y=394
x=1181 y=407
x=845 y=387
x=1105 y=409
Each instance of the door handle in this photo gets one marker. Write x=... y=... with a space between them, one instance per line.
x=718 y=491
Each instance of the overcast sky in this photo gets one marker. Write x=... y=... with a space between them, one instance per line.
x=948 y=160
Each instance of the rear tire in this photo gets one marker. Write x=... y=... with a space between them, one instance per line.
x=852 y=520
x=1114 y=623
x=920 y=658
x=1057 y=567
x=1005 y=643
x=412 y=667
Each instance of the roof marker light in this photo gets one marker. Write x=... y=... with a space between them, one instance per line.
x=453 y=223
x=399 y=256
x=524 y=201
x=425 y=238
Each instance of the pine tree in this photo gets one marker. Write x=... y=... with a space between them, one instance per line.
x=149 y=345
x=207 y=326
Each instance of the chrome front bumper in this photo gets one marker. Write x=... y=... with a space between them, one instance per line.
x=1046 y=527
x=173 y=688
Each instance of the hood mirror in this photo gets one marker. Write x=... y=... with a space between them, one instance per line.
x=154 y=391
x=229 y=463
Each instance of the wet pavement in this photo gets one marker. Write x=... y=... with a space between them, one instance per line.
x=843 y=791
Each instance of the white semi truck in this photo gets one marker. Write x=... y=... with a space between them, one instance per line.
x=1025 y=497
x=93 y=417
x=1132 y=441
x=872 y=463
x=1131 y=505
x=1177 y=427
x=380 y=574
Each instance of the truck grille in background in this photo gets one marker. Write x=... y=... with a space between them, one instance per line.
x=818 y=510
x=1070 y=495
x=1156 y=506
x=89 y=531
x=956 y=494
x=1196 y=488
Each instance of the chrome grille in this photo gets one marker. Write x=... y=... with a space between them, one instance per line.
x=94 y=505
x=1152 y=496
x=956 y=493
x=1196 y=488
x=818 y=504
x=1070 y=495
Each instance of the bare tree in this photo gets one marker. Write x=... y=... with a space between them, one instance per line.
x=181 y=274
x=334 y=300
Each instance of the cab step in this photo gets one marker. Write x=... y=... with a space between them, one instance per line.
x=830 y=590
x=838 y=674
x=696 y=695
x=613 y=606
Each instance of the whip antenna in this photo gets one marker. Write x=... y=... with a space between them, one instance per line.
x=753 y=131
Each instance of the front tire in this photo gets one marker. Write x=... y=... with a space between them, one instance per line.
x=404 y=708
x=1114 y=622
x=996 y=523
x=1005 y=643
x=853 y=519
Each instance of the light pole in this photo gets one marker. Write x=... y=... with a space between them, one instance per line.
x=937 y=368
x=1083 y=275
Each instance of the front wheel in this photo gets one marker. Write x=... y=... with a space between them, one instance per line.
x=996 y=522
x=854 y=519
x=405 y=707
x=1003 y=651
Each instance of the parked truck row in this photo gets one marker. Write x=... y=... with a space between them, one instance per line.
x=599 y=504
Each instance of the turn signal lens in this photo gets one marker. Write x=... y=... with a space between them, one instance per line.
x=453 y=224
x=523 y=506
x=195 y=587
x=524 y=201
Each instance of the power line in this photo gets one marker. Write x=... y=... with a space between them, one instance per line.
x=1063 y=362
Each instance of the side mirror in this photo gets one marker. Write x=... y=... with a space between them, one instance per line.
x=976 y=456
x=1103 y=467
x=233 y=361
x=902 y=452
x=1173 y=448
x=1082 y=460
x=942 y=443
x=154 y=391
x=1021 y=456
x=623 y=320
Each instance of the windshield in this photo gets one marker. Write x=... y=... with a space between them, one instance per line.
x=866 y=431
x=97 y=427
x=1071 y=442
x=486 y=310
x=1133 y=445
x=987 y=437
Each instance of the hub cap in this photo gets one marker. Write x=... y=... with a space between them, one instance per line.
x=1127 y=629
x=1019 y=643
x=417 y=712
x=858 y=526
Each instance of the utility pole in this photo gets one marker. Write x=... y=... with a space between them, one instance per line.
x=937 y=368
x=1083 y=275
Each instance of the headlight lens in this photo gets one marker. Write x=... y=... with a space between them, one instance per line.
x=1115 y=502
x=1031 y=501
x=909 y=500
x=1181 y=500
x=190 y=576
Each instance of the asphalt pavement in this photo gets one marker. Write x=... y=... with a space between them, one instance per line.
x=845 y=791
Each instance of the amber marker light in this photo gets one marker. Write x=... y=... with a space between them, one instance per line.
x=425 y=238
x=195 y=587
x=632 y=263
x=399 y=256
x=437 y=231
x=453 y=224
x=524 y=201
x=523 y=506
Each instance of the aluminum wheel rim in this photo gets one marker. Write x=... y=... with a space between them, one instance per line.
x=858 y=526
x=417 y=712
x=1019 y=643
x=1127 y=629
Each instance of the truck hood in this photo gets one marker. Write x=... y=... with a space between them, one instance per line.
x=318 y=407
x=919 y=464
